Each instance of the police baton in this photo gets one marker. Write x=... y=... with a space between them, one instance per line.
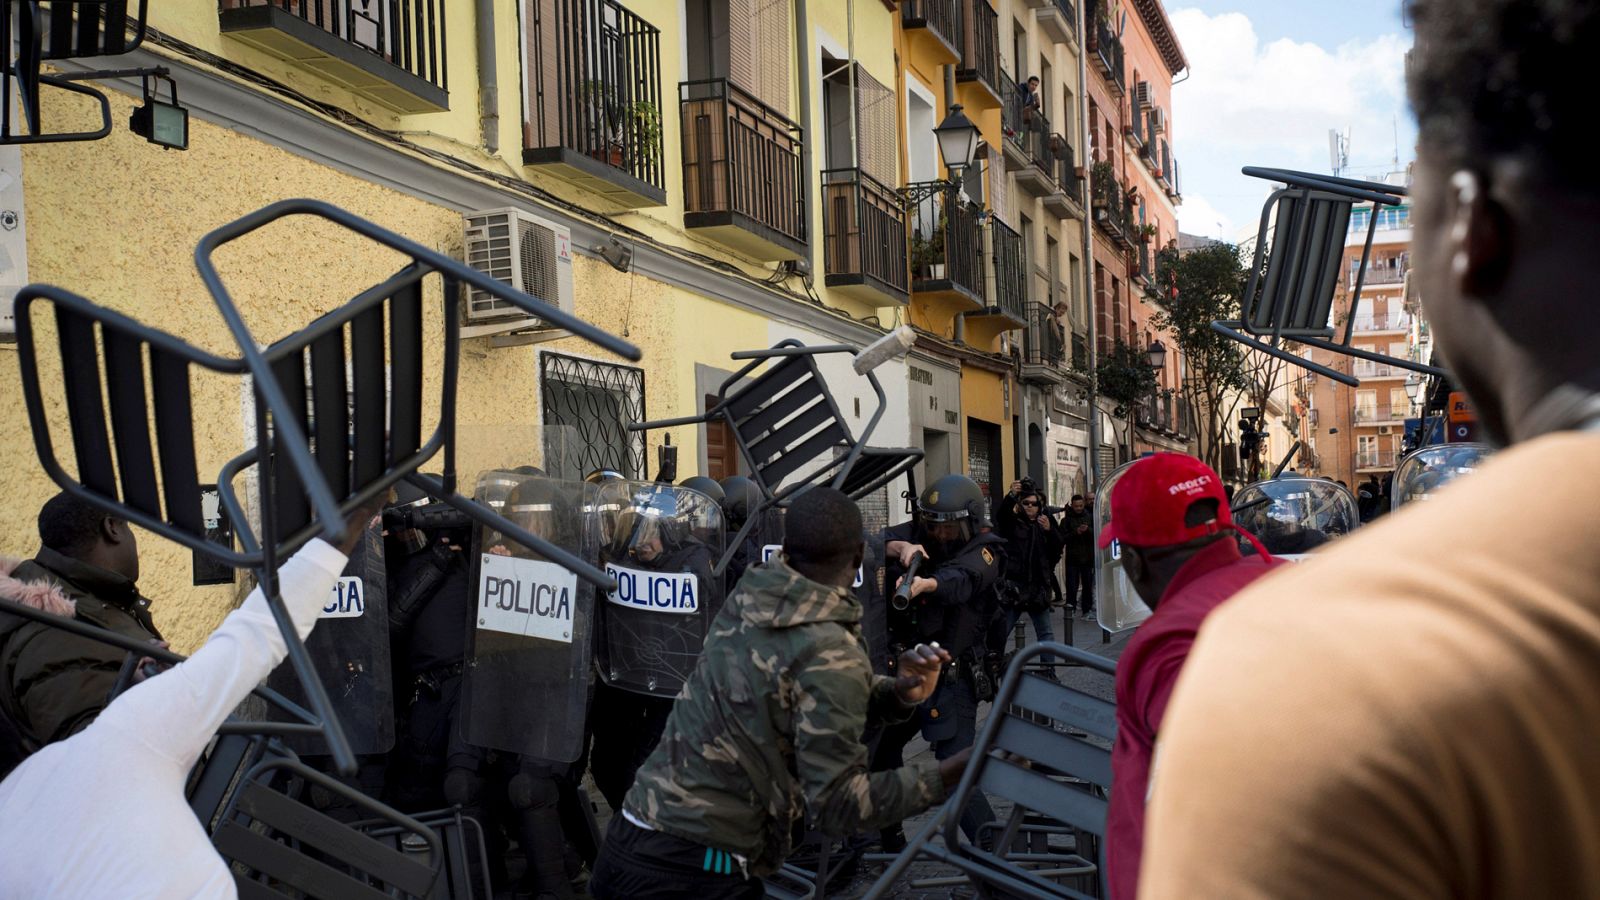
x=902 y=594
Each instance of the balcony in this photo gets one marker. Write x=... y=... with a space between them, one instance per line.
x=742 y=181
x=946 y=245
x=1038 y=176
x=1059 y=20
x=1380 y=415
x=1111 y=209
x=1377 y=460
x=1008 y=273
x=1392 y=321
x=594 y=100
x=391 y=52
x=864 y=237
x=1080 y=352
x=1184 y=424
x=1165 y=173
x=1136 y=127
x=1380 y=271
x=978 y=73
x=1043 y=346
x=1105 y=48
x=933 y=29
x=1067 y=200
x=1364 y=368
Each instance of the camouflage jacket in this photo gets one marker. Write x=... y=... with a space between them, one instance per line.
x=769 y=726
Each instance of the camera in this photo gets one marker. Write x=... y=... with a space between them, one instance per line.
x=1029 y=486
x=433 y=517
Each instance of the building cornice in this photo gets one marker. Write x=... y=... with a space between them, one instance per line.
x=415 y=171
x=1162 y=35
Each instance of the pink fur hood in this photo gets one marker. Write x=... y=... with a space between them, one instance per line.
x=38 y=594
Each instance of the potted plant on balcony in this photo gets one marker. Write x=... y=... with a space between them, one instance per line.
x=1147 y=232
x=646 y=118
x=604 y=116
x=927 y=255
x=1102 y=175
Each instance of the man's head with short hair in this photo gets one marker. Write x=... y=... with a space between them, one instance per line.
x=79 y=531
x=1077 y=503
x=822 y=536
x=1033 y=81
x=1507 y=198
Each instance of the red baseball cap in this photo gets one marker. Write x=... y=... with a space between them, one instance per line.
x=1149 y=501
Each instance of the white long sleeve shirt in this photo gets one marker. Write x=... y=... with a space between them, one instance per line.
x=102 y=814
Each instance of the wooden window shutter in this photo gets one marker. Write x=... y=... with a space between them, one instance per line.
x=875 y=128
x=742 y=31
x=773 y=51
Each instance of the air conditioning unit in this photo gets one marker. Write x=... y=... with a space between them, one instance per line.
x=1145 y=94
x=1158 y=121
x=531 y=255
x=1385 y=429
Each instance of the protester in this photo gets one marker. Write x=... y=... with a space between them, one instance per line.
x=1033 y=547
x=1077 y=530
x=1413 y=713
x=53 y=684
x=768 y=729
x=103 y=813
x=1176 y=533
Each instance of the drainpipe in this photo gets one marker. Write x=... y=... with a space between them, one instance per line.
x=850 y=51
x=802 y=39
x=1088 y=247
x=488 y=78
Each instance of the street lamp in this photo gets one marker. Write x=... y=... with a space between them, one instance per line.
x=958 y=142
x=1158 y=354
x=1413 y=386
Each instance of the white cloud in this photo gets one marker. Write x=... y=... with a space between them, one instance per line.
x=1272 y=104
x=1198 y=216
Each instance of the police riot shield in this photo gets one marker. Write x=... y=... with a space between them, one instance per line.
x=1424 y=472
x=350 y=651
x=1293 y=516
x=526 y=689
x=1120 y=606
x=660 y=543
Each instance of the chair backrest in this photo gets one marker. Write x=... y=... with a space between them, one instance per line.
x=83 y=28
x=783 y=419
x=272 y=838
x=1303 y=251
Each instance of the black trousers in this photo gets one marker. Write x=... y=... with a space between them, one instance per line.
x=1080 y=587
x=638 y=864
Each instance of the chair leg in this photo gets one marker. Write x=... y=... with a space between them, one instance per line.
x=897 y=869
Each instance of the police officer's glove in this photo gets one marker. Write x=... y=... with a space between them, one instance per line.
x=442 y=555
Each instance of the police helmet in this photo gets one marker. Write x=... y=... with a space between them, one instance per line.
x=951 y=498
x=600 y=476
x=650 y=520
x=541 y=507
x=704 y=485
x=742 y=497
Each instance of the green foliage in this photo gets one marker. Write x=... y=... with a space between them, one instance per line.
x=1192 y=290
x=1124 y=376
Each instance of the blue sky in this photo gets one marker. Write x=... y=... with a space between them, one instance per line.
x=1268 y=81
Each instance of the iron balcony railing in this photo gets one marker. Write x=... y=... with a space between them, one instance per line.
x=946 y=240
x=864 y=229
x=741 y=156
x=1010 y=270
x=594 y=85
x=980 y=44
x=1044 y=343
x=1105 y=46
x=1080 y=351
x=1015 y=117
x=1185 y=417
x=1375 y=459
x=1393 y=321
x=1111 y=210
x=943 y=17
x=409 y=34
x=1367 y=369
x=1382 y=271
x=1066 y=169
x=1068 y=9
x=1136 y=122
x=1369 y=414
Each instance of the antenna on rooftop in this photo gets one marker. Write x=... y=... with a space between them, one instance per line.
x=1338 y=151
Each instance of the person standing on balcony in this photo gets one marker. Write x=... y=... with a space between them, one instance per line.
x=1027 y=99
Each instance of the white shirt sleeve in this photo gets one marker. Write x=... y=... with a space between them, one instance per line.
x=176 y=713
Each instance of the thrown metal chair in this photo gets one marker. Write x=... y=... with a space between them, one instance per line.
x=315 y=461
x=786 y=418
x=73 y=29
x=1041 y=748
x=1299 y=254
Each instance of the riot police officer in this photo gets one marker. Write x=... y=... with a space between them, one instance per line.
x=647 y=660
x=741 y=499
x=952 y=602
x=430 y=600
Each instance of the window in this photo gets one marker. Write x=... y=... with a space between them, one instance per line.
x=1367 y=446
x=1399 y=403
x=587 y=408
x=1366 y=404
x=1391 y=218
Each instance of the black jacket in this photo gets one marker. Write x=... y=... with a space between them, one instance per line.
x=1032 y=550
x=957 y=614
x=1079 y=547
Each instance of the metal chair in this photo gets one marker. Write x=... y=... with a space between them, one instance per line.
x=328 y=440
x=1041 y=748
x=74 y=29
x=785 y=419
x=1298 y=257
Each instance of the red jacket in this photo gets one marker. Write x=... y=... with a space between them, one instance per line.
x=1146 y=673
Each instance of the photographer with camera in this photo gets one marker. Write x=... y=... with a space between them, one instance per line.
x=952 y=563
x=1033 y=547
